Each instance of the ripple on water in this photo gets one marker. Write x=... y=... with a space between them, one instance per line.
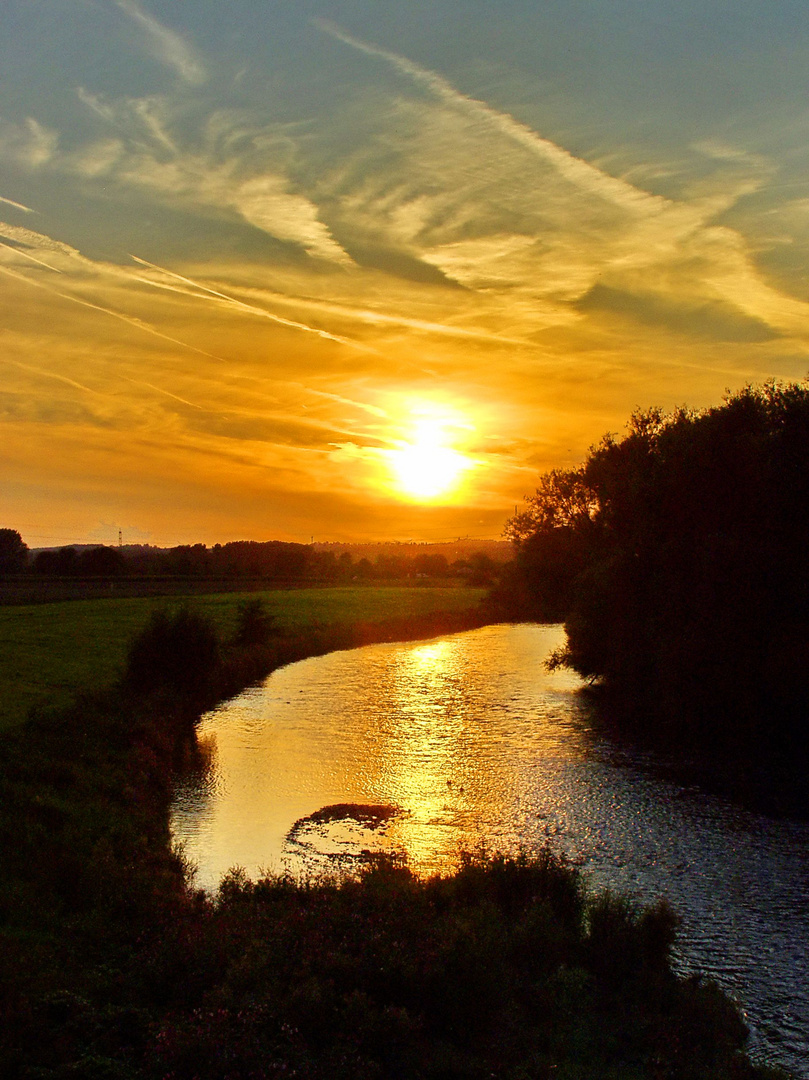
x=472 y=741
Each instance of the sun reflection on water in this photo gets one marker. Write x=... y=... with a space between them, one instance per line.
x=425 y=749
x=435 y=729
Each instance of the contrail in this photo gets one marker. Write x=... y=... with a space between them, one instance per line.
x=168 y=393
x=374 y=410
x=54 y=375
x=130 y=320
x=27 y=255
x=100 y=393
x=17 y=205
x=381 y=318
x=251 y=308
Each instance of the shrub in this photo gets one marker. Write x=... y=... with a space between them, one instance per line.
x=254 y=624
x=176 y=651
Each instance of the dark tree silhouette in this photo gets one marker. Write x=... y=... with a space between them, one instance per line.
x=176 y=651
x=61 y=563
x=13 y=552
x=255 y=625
x=678 y=558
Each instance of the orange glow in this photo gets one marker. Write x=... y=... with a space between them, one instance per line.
x=427 y=466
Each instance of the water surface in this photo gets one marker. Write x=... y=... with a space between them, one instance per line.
x=429 y=748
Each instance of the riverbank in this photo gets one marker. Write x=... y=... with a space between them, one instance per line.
x=49 y=652
x=114 y=967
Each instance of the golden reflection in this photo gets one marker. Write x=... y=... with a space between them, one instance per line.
x=466 y=736
x=434 y=762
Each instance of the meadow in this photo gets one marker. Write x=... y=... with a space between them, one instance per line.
x=50 y=652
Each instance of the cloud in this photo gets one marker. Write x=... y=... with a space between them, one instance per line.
x=579 y=172
x=24 y=409
x=30 y=144
x=509 y=214
x=135 y=116
x=711 y=319
x=239 y=170
x=166 y=45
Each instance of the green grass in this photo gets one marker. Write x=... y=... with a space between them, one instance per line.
x=50 y=652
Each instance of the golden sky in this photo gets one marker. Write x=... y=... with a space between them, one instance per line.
x=358 y=270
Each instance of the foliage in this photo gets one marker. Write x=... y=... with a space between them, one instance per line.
x=247 y=560
x=13 y=552
x=178 y=652
x=254 y=623
x=562 y=500
x=686 y=544
x=71 y=562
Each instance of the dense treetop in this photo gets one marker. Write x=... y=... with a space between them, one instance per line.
x=677 y=556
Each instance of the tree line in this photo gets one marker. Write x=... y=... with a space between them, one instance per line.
x=273 y=560
x=677 y=558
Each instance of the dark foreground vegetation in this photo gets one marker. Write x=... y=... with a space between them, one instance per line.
x=677 y=557
x=114 y=967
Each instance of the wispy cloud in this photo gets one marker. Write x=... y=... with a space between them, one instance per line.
x=239 y=170
x=166 y=45
x=568 y=165
x=28 y=144
x=505 y=212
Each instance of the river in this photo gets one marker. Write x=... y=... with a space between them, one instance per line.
x=429 y=748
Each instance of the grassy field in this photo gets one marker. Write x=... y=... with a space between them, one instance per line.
x=49 y=652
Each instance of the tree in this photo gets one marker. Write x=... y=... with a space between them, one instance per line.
x=563 y=499
x=13 y=552
x=61 y=563
x=677 y=558
x=101 y=562
x=553 y=537
x=254 y=624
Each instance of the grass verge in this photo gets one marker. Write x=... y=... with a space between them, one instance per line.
x=51 y=652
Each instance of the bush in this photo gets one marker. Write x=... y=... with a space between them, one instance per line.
x=176 y=651
x=254 y=624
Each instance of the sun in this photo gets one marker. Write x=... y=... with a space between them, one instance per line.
x=427 y=465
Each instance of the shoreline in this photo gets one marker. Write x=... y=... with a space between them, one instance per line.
x=110 y=954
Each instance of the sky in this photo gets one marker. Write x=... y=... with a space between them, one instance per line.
x=363 y=270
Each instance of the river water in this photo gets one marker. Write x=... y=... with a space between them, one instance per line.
x=429 y=748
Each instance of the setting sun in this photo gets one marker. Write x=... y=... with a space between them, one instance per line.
x=426 y=466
